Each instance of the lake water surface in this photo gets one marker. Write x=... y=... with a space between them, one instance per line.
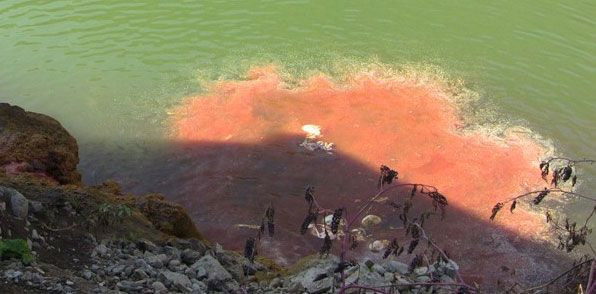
x=118 y=74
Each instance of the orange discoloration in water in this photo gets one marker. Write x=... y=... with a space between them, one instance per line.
x=410 y=127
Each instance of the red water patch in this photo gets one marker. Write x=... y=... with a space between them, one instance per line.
x=249 y=131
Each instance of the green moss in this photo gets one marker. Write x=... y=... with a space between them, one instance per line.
x=15 y=248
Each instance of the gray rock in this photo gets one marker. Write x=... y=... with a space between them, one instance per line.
x=420 y=271
x=276 y=283
x=101 y=249
x=128 y=286
x=179 y=281
x=190 y=256
x=141 y=263
x=146 y=245
x=139 y=274
x=217 y=278
x=35 y=235
x=156 y=261
x=190 y=273
x=213 y=268
x=318 y=270
x=379 y=269
x=35 y=206
x=451 y=269
x=19 y=205
x=201 y=273
x=369 y=277
x=321 y=286
x=171 y=251
x=128 y=271
x=159 y=287
x=389 y=277
x=87 y=274
x=295 y=288
x=423 y=279
x=396 y=267
x=173 y=263
x=2 y=206
x=198 y=288
x=34 y=278
x=117 y=269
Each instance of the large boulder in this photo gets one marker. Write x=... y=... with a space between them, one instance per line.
x=19 y=205
x=167 y=217
x=36 y=143
x=317 y=275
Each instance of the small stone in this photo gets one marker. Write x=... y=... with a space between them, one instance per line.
x=146 y=245
x=12 y=274
x=173 y=263
x=87 y=274
x=451 y=268
x=389 y=277
x=159 y=287
x=155 y=260
x=378 y=245
x=201 y=273
x=101 y=249
x=396 y=267
x=180 y=281
x=295 y=288
x=35 y=235
x=139 y=274
x=371 y=220
x=69 y=282
x=276 y=282
x=379 y=269
x=34 y=278
x=118 y=269
x=35 y=206
x=2 y=206
x=189 y=256
x=423 y=279
x=29 y=244
x=420 y=271
x=129 y=286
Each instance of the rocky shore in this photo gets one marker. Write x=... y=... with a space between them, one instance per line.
x=59 y=236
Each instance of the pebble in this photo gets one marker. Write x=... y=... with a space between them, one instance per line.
x=378 y=245
x=371 y=220
x=159 y=287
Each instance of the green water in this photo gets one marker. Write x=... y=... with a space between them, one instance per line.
x=108 y=70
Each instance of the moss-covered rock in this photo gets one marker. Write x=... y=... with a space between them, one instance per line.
x=36 y=143
x=167 y=217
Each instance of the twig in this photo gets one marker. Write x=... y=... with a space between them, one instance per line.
x=558 y=277
x=59 y=229
x=570 y=161
x=591 y=277
x=555 y=190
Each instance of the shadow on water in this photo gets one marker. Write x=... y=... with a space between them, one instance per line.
x=226 y=184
